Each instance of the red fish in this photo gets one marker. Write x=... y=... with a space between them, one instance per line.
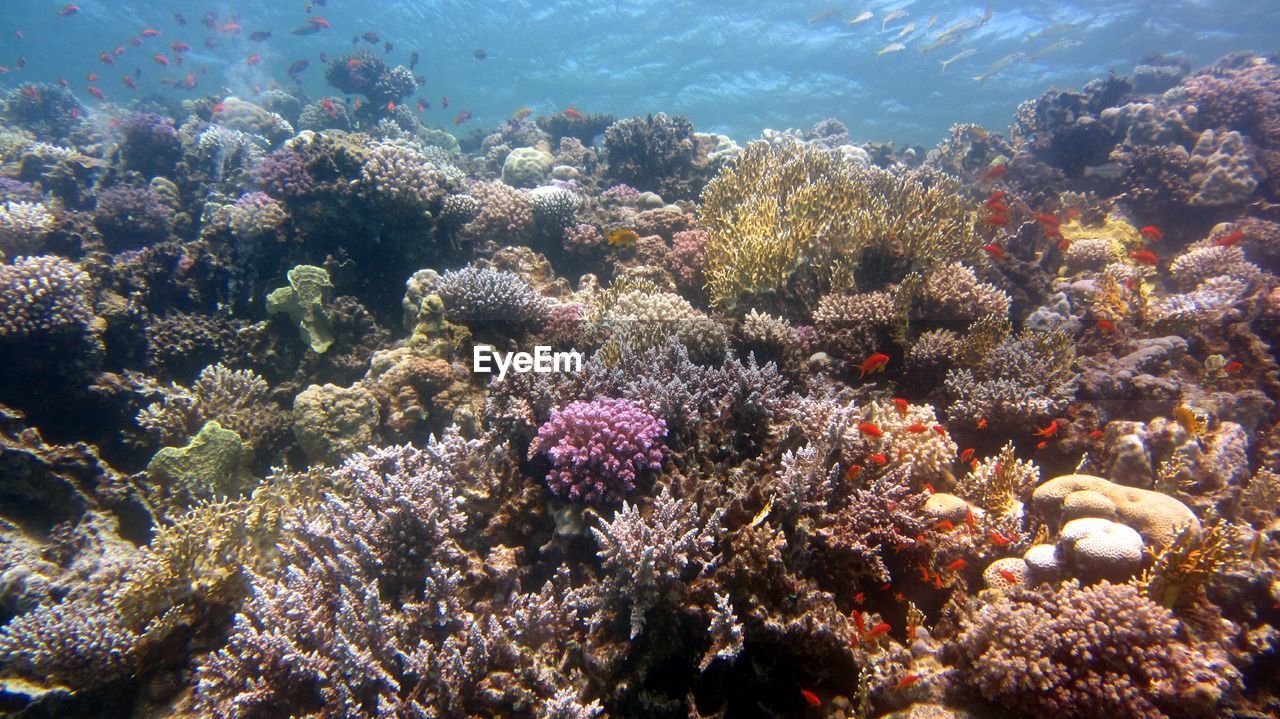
x=179 y=46
x=573 y=114
x=901 y=404
x=253 y=59
x=997 y=220
x=95 y=92
x=1232 y=367
x=75 y=112
x=1050 y=431
x=878 y=458
x=997 y=207
x=940 y=429
x=877 y=630
x=944 y=526
x=161 y=60
x=853 y=471
x=93 y=77
x=999 y=539
x=106 y=59
x=464 y=116
x=810 y=698
x=231 y=27
x=966 y=455
x=1145 y=257
x=357 y=103
x=996 y=197
x=1047 y=220
x=391 y=106
x=421 y=106
x=1063 y=244
x=1152 y=233
x=68 y=10
x=1229 y=240
x=118 y=51
x=1097 y=434
x=328 y=105
x=907 y=680
x=318 y=22
x=129 y=83
x=994 y=173
x=917 y=428
x=870 y=430
x=1007 y=576
x=995 y=251
x=1105 y=326
x=444 y=102
x=149 y=32
x=189 y=81
x=957 y=565
x=874 y=363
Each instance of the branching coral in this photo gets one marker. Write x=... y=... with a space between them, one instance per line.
x=597 y=448
x=998 y=483
x=1103 y=650
x=1028 y=378
x=780 y=215
x=44 y=295
x=21 y=225
x=1192 y=560
x=236 y=399
x=478 y=296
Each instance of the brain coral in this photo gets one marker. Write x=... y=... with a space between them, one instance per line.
x=1157 y=517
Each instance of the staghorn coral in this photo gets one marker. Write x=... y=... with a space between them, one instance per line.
x=1199 y=264
x=44 y=295
x=797 y=214
x=1103 y=650
x=481 y=297
x=647 y=558
x=644 y=317
x=1209 y=302
x=1025 y=379
x=1194 y=559
x=597 y=448
x=884 y=514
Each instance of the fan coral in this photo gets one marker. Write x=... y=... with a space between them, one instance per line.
x=44 y=295
x=648 y=557
x=481 y=297
x=1104 y=650
x=597 y=448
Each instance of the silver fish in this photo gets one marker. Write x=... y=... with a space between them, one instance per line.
x=891 y=47
x=986 y=16
x=823 y=15
x=1053 y=29
x=1059 y=45
x=907 y=30
x=862 y=17
x=1109 y=171
x=959 y=56
x=942 y=41
x=893 y=15
x=999 y=65
x=933 y=20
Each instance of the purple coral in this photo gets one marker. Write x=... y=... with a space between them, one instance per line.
x=151 y=145
x=596 y=448
x=1104 y=650
x=129 y=217
x=284 y=175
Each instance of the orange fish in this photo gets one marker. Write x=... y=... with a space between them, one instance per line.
x=929 y=488
x=421 y=106
x=1232 y=367
x=997 y=220
x=995 y=173
x=982 y=423
x=318 y=22
x=1047 y=220
x=1063 y=244
x=996 y=196
x=995 y=251
x=1007 y=576
x=874 y=363
x=1229 y=240
x=810 y=698
x=106 y=59
x=907 y=680
x=391 y=105
x=573 y=114
x=1050 y=431
x=997 y=207
x=940 y=429
x=870 y=429
x=1145 y=257
x=149 y=32
x=1097 y=434
x=853 y=471
x=161 y=60
x=357 y=104
x=253 y=59
x=966 y=455
x=464 y=116
x=877 y=630
x=93 y=77
x=999 y=539
x=878 y=458
x=329 y=107
x=944 y=526
x=1105 y=326
x=1152 y=233
x=957 y=565
x=95 y=92
x=179 y=46
x=68 y=10
x=917 y=428
x=901 y=404
x=189 y=81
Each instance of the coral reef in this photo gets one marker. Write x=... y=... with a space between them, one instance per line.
x=596 y=449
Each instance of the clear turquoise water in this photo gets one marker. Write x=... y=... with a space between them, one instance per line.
x=732 y=67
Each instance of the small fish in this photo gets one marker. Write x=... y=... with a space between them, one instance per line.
x=93 y=77
x=1059 y=45
x=1187 y=420
x=260 y=35
x=521 y=114
x=944 y=526
x=573 y=114
x=423 y=105
x=307 y=29
x=906 y=30
x=997 y=220
x=357 y=104
x=902 y=405
x=875 y=363
x=995 y=172
x=1106 y=326
x=179 y=46
x=1109 y=171
x=298 y=66
x=916 y=428
x=962 y=55
x=480 y=54
x=999 y=539
x=891 y=16
x=1097 y=434
x=623 y=238
x=1008 y=576
x=940 y=429
x=1046 y=219
x=1232 y=367
x=957 y=565
x=810 y=698
x=891 y=47
x=941 y=41
x=1054 y=29
x=210 y=20
x=253 y=59
x=149 y=32
x=68 y=10
x=821 y=15
x=118 y=51
x=318 y=22
x=861 y=17
x=878 y=458
x=1229 y=240
x=877 y=630
x=982 y=423
x=189 y=81
x=329 y=107
x=1049 y=431
x=413 y=59
x=95 y=92
x=371 y=37
x=231 y=27
x=966 y=455
x=178 y=18
x=17 y=35
x=995 y=251
x=444 y=104
x=853 y=471
x=870 y=430
x=387 y=48
x=999 y=65
x=1153 y=233
x=136 y=42
x=391 y=106
x=1145 y=257
x=105 y=59
x=161 y=60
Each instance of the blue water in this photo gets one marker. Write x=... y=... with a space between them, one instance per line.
x=731 y=67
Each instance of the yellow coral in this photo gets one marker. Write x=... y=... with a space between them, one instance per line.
x=1192 y=559
x=795 y=214
x=1122 y=235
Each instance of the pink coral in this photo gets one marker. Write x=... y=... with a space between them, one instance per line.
x=597 y=448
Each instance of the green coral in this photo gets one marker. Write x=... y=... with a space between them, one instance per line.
x=796 y=222
x=526 y=167
x=214 y=464
x=303 y=300
x=332 y=422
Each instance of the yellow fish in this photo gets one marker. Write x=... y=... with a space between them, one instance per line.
x=522 y=113
x=623 y=238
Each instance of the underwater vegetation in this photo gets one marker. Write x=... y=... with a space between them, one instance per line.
x=989 y=430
